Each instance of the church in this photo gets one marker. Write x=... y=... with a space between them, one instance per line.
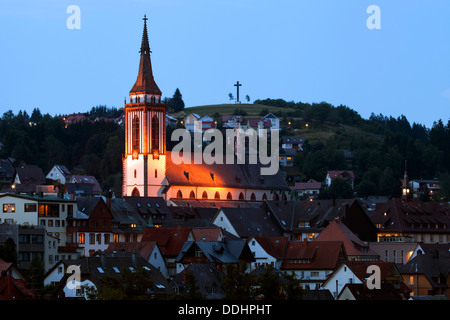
x=148 y=169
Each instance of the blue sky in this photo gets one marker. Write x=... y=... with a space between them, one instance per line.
x=309 y=51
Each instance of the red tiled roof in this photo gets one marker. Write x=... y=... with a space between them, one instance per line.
x=338 y=231
x=169 y=240
x=313 y=255
x=143 y=248
x=275 y=246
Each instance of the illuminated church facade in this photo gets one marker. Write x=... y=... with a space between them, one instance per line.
x=148 y=169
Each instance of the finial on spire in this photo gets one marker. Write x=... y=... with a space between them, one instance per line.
x=145 y=48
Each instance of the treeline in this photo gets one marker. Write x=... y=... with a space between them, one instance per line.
x=85 y=147
x=380 y=146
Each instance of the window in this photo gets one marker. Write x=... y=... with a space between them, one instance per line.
x=411 y=279
x=241 y=196
x=135 y=173
x=217 y=195
x=9 y=207
x=192 y=195
x=135 y=193
x=69 y=210
x=155 y=133
x=205 y=195
x=91 y=238
x=106 y=238
x=81 y=238
x=135 y=133
x=156 y=173
x=253 y=197
x=49 y=210
x=179 y=194
x=229 y=197
x=30 y=207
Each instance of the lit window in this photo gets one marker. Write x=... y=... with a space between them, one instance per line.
x=81 y=238
x=9 y=207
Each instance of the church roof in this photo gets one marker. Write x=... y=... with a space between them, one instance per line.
x=222 y=175
x=145 y=82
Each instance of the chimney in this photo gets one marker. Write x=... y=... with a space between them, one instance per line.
x=103 y=260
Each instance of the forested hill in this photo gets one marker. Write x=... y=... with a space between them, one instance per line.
x=380 y=144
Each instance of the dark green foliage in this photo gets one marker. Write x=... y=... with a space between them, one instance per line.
x=176 y=103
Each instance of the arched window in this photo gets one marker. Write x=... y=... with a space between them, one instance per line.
x=135 y=173
x=155 y=133
x=135 y=193
x=253 y=197
x=229 y=197
x=277 y=197
x=135 y=133
x=179 y=195
x=283 y=196
x=241 y=196
x=192 y=195
x=217 y=195
x=205 y=195
x=264 y=197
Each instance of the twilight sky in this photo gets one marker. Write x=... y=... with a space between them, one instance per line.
x=300 y=50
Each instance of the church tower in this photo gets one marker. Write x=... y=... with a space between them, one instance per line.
x=144 y=161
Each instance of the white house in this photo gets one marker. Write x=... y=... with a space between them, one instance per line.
x=267 y=251
x=59 y=173
x=274 y=121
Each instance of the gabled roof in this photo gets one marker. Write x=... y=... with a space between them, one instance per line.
x=388 y=270
x=412 y=216
x=229 y=251
x=311 y=184
x=249 y=222
x=85 y=179
x=169 y=240
x=14 y=289
x=360 y=292
x=313 y=255
x=144 y=249
x=432 y=266
x=341 y=174
x=29 y=173
x=274 y=246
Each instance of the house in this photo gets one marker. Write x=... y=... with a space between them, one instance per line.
x=264 y=123
x=27 y=178
x=59 y=173
x=359 y=291
x=406 y=219
x=357 y=272
x=90 y=227
x=153 y=210
x=87 y=180
x=346 y=175
x=15 y=289
x=287 y=157
x=396 y=251
x=267 y=251
x=92 y=270
x=428 y=274
x=310 y=189
x=43 y=225
x=190 y=120
x=274 y=121
x=429 y=187
x=356 y=249
x=127 y=224
x=213 y=252
x=7 y=172
x=171 y=121
x=292 y=142
x=170 y=241
x=305 y=219
x=148 y=250
x=74 y=118
x=246 y=222
x=208 y=278
x=231 y=122
x=312 y=262
x=204 y=123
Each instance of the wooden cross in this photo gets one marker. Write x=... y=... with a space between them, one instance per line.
x=237 y=85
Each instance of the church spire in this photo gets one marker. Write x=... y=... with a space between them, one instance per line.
x=145 y=82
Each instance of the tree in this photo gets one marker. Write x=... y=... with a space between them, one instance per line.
x=128 y=286
x=176 y=103
x=230 y=96
x=36 y=273
x=339 y=189
x=237 y=283
x=269 y=284
x=8 y=251
x=191 y=289
x=247 y=97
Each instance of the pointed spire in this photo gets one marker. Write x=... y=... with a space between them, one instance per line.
x=405 y=176
x=145 y=82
